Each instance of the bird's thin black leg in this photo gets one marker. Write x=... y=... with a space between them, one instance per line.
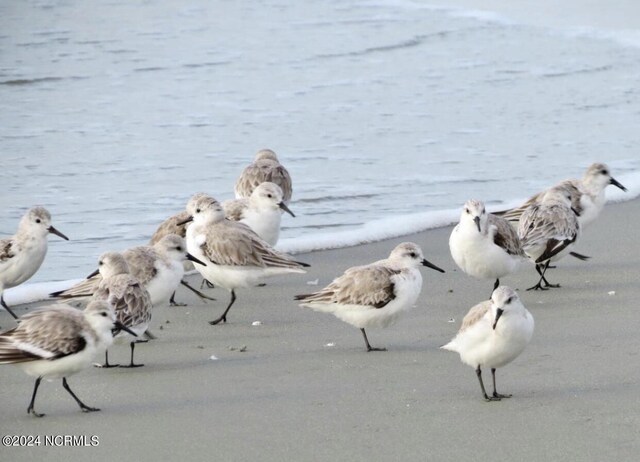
x=484 y=392
x=106 y=364
x=197 y=292
x=133 y=345
x=495 y=393
x=547 y=284
x=223 y=318
x=4 y=305
x=172 y=300
x=496 y=285
x=538 y=286
x=369 y=347
x=30 y=409
x=83 y=406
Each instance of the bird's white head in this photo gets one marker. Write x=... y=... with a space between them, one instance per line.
x=474 y=214
x=410 y=255
x=598 y=176
x=504 y=302
x=37 y=222
x=101 y=315
x=205 y=210
x=266 y=154
x=175 y=248
x=269 y=196
x=112 y=264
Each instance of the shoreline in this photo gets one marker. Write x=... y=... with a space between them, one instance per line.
x=290 y=395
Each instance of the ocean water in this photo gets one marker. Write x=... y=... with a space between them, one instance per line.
x=388 y=114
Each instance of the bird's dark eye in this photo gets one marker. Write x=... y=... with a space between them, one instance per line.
x=103 y=314
x=38 y=220
x=412 y=255
x=197 y=210
x=467 y=210
x=179 y=249
x=509 y=300
x=100 y=263
x=269 y=195
x=604 y=172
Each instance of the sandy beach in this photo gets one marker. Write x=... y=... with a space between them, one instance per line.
x=291 y=396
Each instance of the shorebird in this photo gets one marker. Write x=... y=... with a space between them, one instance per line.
x=261 y=212
x=587 y=194
x=130 y=300
x=548 y=231
x=22 y=254
x=235 y=256
x=484 y=245
x=177 y=224
x=158 y=268
x=493 y=334
x=58 y=341
x=265 y=167
x=373 y=295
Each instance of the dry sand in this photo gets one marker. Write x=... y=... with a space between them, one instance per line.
x=576 y=389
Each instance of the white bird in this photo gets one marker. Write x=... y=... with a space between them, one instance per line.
x=483 y=245
x=58 y=341
x=130 y=300
x=235 y=256
x=265 y=167
x=158 y=268
x=261 y=212
x=373 y=295
x=493 y=334
x=587 y=194
x=22 y=254
x=177 y=224
x=548 y=231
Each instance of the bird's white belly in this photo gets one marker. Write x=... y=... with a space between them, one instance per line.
x=479 y=257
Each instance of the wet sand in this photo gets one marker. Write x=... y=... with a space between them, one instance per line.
x=576 y=392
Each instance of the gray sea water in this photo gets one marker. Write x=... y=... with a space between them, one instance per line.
x=113 y=113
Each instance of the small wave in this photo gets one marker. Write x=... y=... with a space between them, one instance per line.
x=311 y=200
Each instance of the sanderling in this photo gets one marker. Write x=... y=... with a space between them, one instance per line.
x=158 y=268
x=482 y=341
x=235 y=256
x=130 y=300
x=587 y=194
x=265 y=167
x=58 y=341
x=373 y=295
x=22 y=254
x=177 y=224
x=484 y=245
x=261 y=212
x=548 y=230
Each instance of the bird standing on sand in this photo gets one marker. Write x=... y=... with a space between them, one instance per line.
x=159 y=268
x=493 y=334
x=484 y=245
x=265 y=167
x=373 y=295
x=233 y=254
x=130 y=300
x=548 y=231
x=58 y=341
x=262 y=212
x=586 y=195
x=22 y=254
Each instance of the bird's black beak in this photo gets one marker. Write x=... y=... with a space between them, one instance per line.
x=52 y=230
x=477 y=220
x=194 y=259
x=184 y=222
x=118 y=326
x=284 y=207
x=615 y=182
x=93 y=274
x=499 y=312
x=431 y=265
